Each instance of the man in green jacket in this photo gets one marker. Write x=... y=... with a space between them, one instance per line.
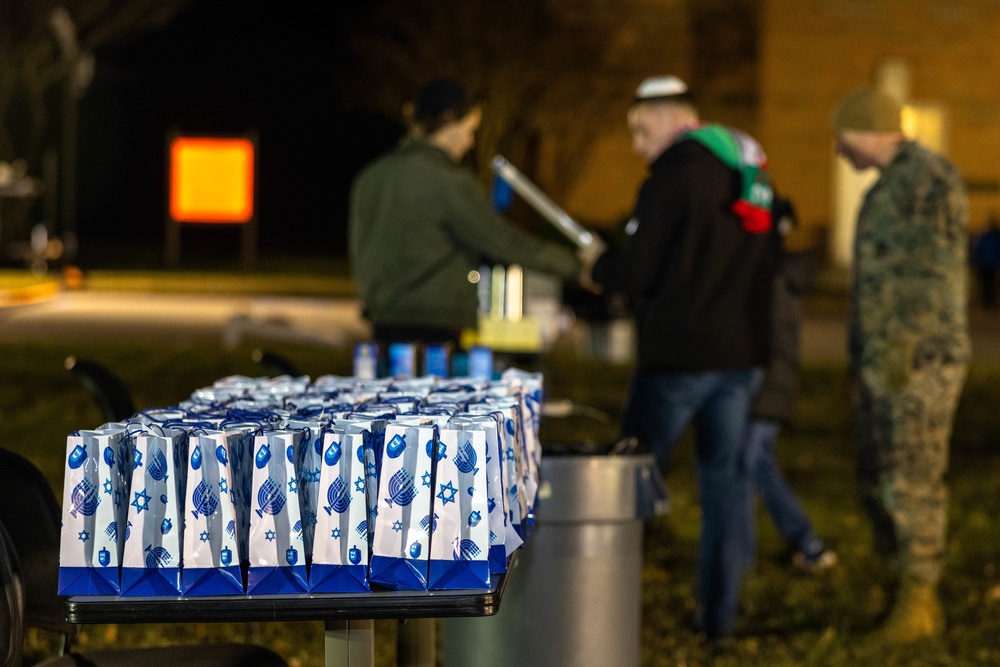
x=420 y=224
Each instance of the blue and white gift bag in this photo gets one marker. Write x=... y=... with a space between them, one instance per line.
x=503 y=538
x=403 y=515
x=530 y=407
x=529 y=395
x=94 y=516
x=211 y=550
x=513 y=469
x=151 y=564
x=277 y=549
x=258 y=485
x=527 y=469
x=373 y=434
x=341 y=546
x=460 y=543
x=308 y=470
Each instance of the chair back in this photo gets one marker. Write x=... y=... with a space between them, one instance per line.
x=107 y=389
x=275 y=364
x=11 y=604
x=30 y=513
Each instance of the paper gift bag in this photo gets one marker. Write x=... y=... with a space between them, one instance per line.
x=373 y=445
x=151 y=564
x=528 y=389
x=211 y=550
x=503 y=539
x=375 y=425
x=460 y=542
x=277 y=553
x=403 y=517
x=341 y=548
x=316 y=405
x=530 y=452
x=513 y=467
x=530 y=406
x=308 y=470
x=94 y=517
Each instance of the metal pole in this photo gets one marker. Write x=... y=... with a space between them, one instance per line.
x=416 y=644
x=350 y=643
x=68 y=164
x=541 y=203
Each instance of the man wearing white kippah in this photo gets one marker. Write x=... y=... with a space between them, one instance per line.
x=698 y=263
x=909 y=347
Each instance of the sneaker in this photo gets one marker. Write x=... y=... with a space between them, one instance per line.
x=824 y=560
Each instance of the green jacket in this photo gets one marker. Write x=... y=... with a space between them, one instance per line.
x=419 y=223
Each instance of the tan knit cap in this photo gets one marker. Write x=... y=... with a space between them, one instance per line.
x=868 y=110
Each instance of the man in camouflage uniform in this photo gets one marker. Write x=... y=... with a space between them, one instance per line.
x=909 y=347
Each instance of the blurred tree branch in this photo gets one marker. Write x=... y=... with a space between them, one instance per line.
x=42 y=42
x=543 y=74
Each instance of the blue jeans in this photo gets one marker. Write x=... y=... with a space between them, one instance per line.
x=767 y=483
x=716 y=403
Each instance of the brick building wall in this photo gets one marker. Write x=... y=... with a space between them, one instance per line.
x=814 y=51
x=776 y=67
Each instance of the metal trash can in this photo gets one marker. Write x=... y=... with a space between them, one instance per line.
x=575 y=591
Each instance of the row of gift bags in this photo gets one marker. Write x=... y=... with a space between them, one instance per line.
x=281 y=485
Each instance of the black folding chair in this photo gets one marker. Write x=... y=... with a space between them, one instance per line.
x=274 y=364
x=32 y=518
x=11 y=604
x=107 y=389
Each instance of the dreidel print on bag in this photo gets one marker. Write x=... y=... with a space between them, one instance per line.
x=341 y=546
x=277 y=560
x=151 y=564
x=460 y=540
x=98 y=469
x=400 y=546
x=211 y=516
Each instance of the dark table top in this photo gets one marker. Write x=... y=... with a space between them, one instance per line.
x=377 y=604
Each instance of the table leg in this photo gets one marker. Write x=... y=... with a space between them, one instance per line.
x=416 y=645
x=350 y=643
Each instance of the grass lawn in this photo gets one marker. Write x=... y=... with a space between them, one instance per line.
x=788 y=619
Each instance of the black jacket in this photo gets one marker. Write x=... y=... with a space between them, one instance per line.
x=701 y=284
x=776 y=396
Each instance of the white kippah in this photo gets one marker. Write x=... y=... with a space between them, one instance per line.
x=660 y=86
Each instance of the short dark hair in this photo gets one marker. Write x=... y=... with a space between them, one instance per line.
x=440 y=102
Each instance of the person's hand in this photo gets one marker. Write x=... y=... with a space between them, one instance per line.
x=590 y=253
x=588 y=256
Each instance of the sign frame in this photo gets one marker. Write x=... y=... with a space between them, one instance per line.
x=173 y=225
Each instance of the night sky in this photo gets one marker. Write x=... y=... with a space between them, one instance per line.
x=227 y=67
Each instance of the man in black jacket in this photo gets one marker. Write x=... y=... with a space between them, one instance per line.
x=697 y=264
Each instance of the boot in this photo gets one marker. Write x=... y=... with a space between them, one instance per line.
x=916 y=614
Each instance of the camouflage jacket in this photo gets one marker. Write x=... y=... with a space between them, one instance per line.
x=908 y=305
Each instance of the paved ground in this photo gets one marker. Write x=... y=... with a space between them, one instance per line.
x=824 y=335
x=104 y=315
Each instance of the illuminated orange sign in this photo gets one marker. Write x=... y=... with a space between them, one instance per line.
x=211 y=179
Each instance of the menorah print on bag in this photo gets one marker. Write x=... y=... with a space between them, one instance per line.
x=96 y=490
x=155 y=515
x=287 y=485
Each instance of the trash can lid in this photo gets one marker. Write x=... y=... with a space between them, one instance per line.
x=576 y=448
x=628 y=446
x=601 y=488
